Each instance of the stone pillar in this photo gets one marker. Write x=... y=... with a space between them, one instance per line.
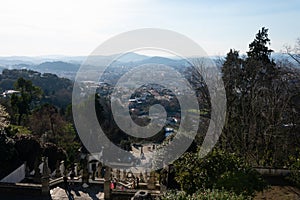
x=151 y=182
x=99 y=168
x=146 y=176
x=118 y=174
x=112 y=174
x=142 y=179
x=37 y=173
x=107 y=191
x=85 y=175
x=62 y=168
x=142 y=155
x=85 y=172
x=76 y=169
x=57 y=170
x=45 y=177
x=27 y=170
x=164 y=175
x=94 y=169
x=124 y=175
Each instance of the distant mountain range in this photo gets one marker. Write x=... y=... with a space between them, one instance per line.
x=56 y=66
x=67 y=66
x=16 y=60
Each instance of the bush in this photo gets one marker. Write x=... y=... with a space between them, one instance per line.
x=9 y=158
x=295 y=173
x=54 y=154
x=245 y=182
x=207 y=194
x=217 y=170
x=29 y=148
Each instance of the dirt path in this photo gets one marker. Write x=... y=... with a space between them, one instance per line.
x=279 y=193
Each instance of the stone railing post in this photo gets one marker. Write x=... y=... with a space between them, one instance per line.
x=107 y=191
x=45 y=177
x=57 y=170
x=37 y=172
x=151 y=182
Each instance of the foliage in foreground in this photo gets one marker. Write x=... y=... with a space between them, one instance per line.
x=295 y=172
x=207 y=194
x=219 y=170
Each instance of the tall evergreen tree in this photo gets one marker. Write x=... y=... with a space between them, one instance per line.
x=258 y=49
x=253 y=87
x=233 y=77
x=259 y=64
x=24 y=101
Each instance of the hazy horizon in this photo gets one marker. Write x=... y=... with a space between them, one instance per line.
x=35 y=28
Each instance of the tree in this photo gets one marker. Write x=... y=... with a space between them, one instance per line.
x=258 y=65
x=24 y=101
x=266 y=102
x=204 y=77
x=4 y=118
x=294 y=52
x=259 y=104
x=46 y=119
x=258 y=49
x=233 y=77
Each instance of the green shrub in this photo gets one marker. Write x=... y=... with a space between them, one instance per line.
x=207 y=194
x=295 y=172
x=217 y=170
x=245 y=182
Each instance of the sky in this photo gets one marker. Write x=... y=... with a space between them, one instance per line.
x=76 y=28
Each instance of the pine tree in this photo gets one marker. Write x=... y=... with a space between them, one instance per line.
x=24 y=101
x=258 y=49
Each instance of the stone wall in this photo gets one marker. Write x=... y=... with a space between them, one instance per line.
x=21 y=188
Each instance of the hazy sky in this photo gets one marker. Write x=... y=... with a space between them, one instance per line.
x=70 y=27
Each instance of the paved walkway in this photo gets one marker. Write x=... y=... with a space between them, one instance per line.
x=77 y=193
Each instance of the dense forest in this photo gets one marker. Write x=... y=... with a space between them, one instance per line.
x=38 y=120
x=56 y=90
